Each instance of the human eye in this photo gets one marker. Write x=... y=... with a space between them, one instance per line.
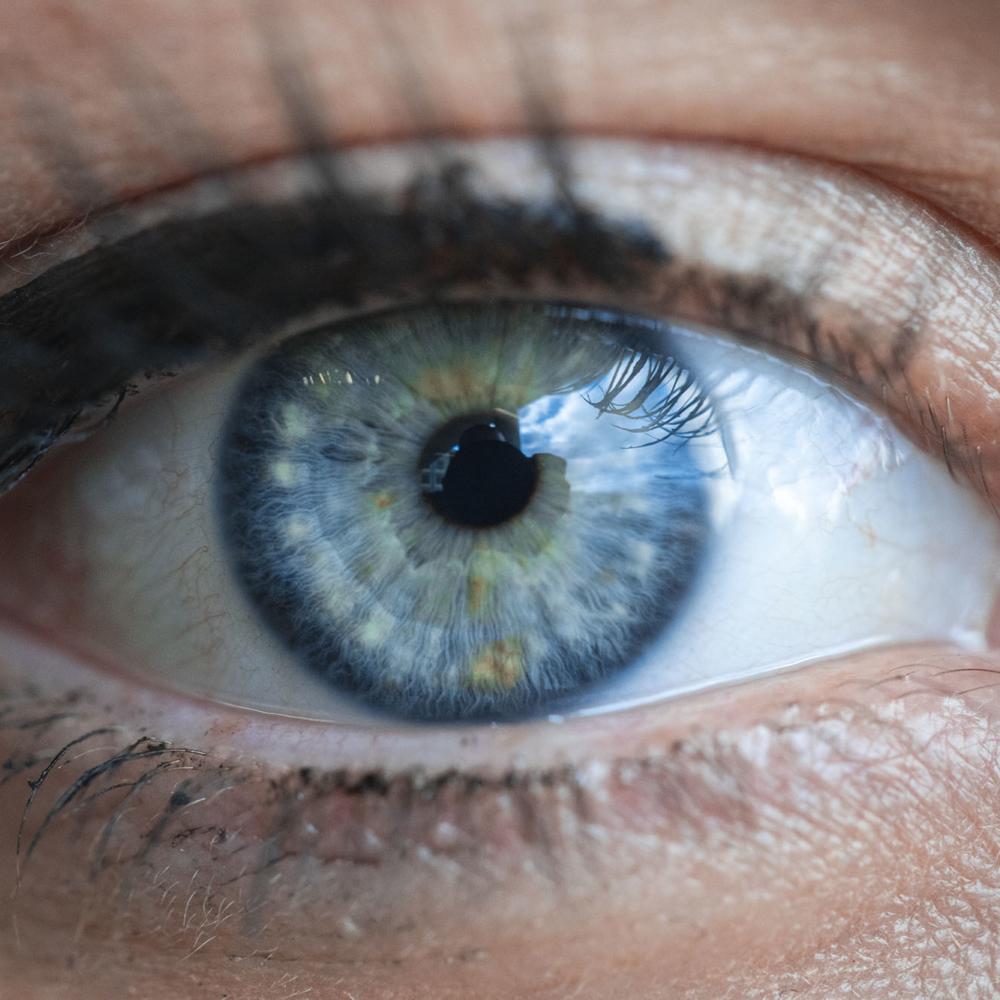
x=488 y=509
x=205 y=809
x=138 y=554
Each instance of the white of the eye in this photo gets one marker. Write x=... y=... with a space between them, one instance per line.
x=833 y=533
x=837 y=534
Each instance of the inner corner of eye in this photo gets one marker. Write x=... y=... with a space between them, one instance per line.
x=498 y=511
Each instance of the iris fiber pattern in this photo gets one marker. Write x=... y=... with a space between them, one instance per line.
x=332 y=498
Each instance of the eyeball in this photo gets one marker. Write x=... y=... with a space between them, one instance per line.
x=492 y=511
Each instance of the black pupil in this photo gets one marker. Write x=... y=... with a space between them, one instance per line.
x=488 y=480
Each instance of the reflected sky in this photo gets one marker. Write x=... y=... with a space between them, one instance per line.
x=603 y=452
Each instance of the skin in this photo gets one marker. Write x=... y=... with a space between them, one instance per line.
x=832 y=828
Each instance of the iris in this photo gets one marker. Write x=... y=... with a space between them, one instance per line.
x=467 y=511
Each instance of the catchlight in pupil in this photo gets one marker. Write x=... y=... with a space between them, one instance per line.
x=473 y=473
x=467 y=511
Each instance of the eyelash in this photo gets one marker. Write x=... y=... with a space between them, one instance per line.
x=191 y=289
x=147 y=314
x=517 y=246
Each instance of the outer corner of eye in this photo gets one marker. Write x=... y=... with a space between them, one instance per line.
x=492 y=511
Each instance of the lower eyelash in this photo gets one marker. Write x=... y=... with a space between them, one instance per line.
x=372 y=810
x=189 y=822
x=232 y=840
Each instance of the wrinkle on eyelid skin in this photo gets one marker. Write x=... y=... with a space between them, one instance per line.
x=832 y=829
x=843 y=81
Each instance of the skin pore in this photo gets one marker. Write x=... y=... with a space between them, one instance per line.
x=824 y=829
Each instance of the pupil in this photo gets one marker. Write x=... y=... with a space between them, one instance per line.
x=488 y=480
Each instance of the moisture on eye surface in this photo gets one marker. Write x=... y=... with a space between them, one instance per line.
x=467 y=511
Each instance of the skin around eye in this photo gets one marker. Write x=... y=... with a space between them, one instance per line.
x=828 y=829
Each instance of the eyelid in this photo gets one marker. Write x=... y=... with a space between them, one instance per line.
x=816 y=260
x=781 y=768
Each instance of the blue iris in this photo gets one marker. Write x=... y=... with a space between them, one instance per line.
x=467 y=511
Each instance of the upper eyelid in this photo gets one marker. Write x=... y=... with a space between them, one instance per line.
x=202 y=313
x=612 y=253
x=287 y=71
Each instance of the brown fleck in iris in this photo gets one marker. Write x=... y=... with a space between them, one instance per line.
x=477 y=594
x=498 y=665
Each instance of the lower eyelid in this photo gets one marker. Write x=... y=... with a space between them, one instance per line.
x=756 y=773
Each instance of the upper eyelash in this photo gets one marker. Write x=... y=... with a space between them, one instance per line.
x=34 y=419
x=188 y=289
x=46 y=386
x=59 y=365
x=74 y=337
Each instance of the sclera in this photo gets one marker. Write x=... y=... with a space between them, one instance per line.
x=834 y=533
